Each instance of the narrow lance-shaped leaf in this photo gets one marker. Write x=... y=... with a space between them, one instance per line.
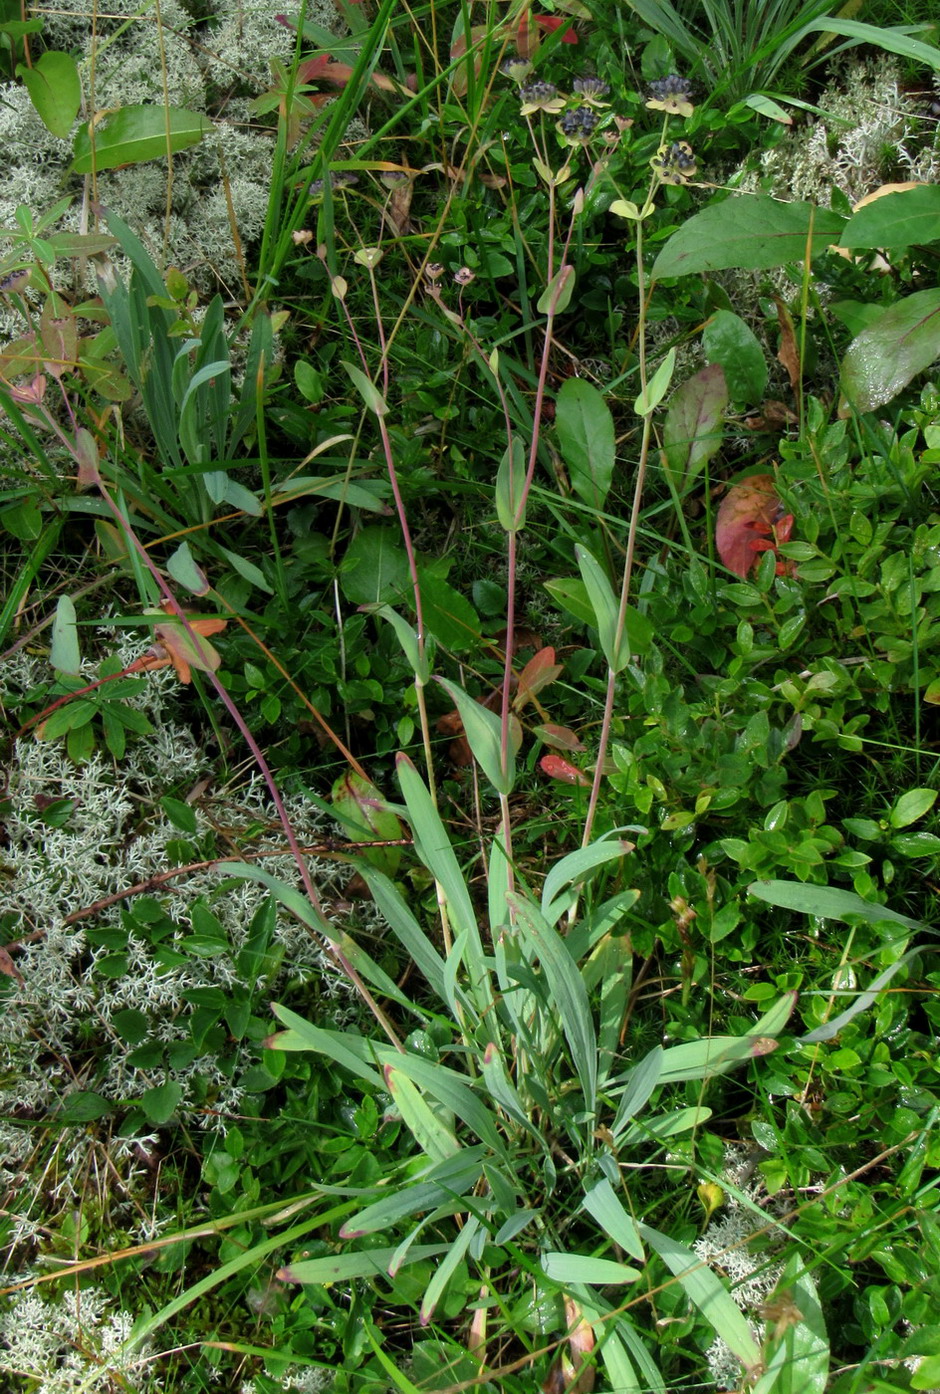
x=585 y=429
x=431 y=1135
x=880 y=36
x=826 y=902
x=568 y=991
x=341 y=1267
x=583 y=1268
x=705 y=1289
x=607 y=1209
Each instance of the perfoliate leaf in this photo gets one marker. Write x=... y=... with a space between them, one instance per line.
x=556 y=296
x=367 y=390
x=65 y=655
x=657 y=387
x=510 y=484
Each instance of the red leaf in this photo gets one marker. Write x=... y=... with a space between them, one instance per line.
x=323 y=68
x=557 y=768
x=552 y=22
x=751 y=520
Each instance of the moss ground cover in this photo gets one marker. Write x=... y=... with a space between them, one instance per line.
x=469 y=652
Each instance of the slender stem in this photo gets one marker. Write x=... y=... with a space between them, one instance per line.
x=405 y=531
x=631 y=539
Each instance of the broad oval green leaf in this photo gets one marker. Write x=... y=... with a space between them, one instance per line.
x=55 y=90
x=135 y=134
x=884 y=358
x=447 y=614
x=375 y=567
x=901 y=219
x=911 y=806
x=732 y=344
x=750 y=231
x=585 y=429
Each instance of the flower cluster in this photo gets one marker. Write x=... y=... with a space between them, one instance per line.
x=341 y=179
x=671 y=94
x=591 y=90
x=578 y=124
x=675 y=163
x=540 y=96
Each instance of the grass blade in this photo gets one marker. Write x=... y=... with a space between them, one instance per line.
x=568 y=993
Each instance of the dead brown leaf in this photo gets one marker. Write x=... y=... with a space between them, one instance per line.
x=788 y=353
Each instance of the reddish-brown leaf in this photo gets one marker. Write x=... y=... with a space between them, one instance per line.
x=9 y=968
x=559 y=737
x=751 y=521
x=323 y=68
x=550 y=23
x=788 y=353
x=177 y=646
x=557 y=768
x=539 y=672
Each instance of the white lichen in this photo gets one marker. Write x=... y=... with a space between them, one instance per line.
x=79 y=1340
x=117 y=836
x=730 y=1246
